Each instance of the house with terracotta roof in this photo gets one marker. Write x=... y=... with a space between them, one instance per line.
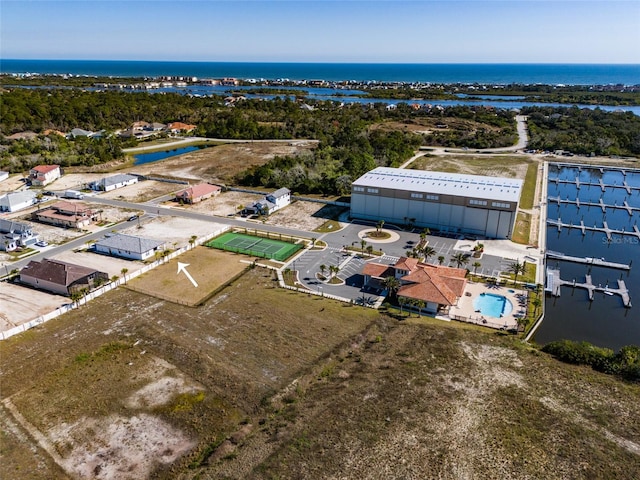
x=437 y=286
x=61 y=277
x=179 y=127
x=197 y=193
x=66 y=214
x=42 y=175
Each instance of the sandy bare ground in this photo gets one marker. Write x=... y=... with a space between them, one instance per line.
x=102 y=263
x=219 y=164
x=175 y=231
x=11 y=184
x=20 y=304
x=223 y=205
x=143 y=191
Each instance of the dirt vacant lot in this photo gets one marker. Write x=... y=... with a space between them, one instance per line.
x=263 y=383
x=221 y=163
x=134 y=384
x=490 y=165
x=19 y=304
x=174 y=231
x=210 y=268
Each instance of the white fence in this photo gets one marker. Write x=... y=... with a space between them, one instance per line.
x=105 y=288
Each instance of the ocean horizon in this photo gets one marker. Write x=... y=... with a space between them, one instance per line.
x=485 y=73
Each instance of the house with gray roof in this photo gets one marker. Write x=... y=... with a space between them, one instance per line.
x=14 y=201
x=115 y=181
x=61 y=277
x=271 y=203
x=15 y=234
x=128 y=246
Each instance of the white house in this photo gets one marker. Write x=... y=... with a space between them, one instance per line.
x=115 y=181
x=14 y=201
x=15 y=234
x=44 y=174
x=3 y=175
x=271 y=203
x=128 y=246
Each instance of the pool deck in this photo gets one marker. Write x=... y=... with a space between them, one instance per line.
x=465 y=306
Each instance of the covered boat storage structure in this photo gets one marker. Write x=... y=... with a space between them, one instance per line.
x=449 y=202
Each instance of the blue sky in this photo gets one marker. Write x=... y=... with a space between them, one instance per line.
x=324 y=31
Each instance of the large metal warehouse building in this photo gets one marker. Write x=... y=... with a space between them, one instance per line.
x=450 y=202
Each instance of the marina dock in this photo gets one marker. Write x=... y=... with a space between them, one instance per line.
x=603 y=206
x=600 y=184
x=554 y=282
x=597 y=262
x=604 y=229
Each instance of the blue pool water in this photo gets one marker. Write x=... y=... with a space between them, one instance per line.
x=492 y=305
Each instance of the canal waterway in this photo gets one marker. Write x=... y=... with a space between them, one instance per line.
x=143 y=158
x=603 y=321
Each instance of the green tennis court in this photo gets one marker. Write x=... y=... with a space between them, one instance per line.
x=255 y=246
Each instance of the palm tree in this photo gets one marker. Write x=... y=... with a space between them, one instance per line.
x=476 y=266
x=402 y=301
x=76 y=295
x=379 y=225
x=363 y=243
x=323 y=267
x=460 y=259
x=392 y=284
x=536 y=304
x=517 y=268
x=440 y=259
x=428 y=252
x=334 y=269
x=420 y=305
x=124 y=274
x=192 y=240
x=369 y=249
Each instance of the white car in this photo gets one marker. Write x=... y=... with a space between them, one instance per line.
x=42 y=243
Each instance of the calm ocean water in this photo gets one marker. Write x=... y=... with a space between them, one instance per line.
x=574 y=74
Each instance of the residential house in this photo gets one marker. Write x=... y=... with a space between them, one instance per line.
x=15 y=234
x=128 y=246
x=42 y=175
x=140 y=126
x=66 y=214
x=179 y=127
x=115 y=181
x=438 y=287
x=79 y=132
x=14 y=201
x=197 y=193
x=271 y=203
x=61 y=277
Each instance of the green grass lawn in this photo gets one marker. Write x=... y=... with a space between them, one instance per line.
x=529 y=187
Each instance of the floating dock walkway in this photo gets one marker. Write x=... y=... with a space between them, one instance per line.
x=554 y=282
x=603 y=206
x=580 y=167
x=603 y=186
x=604 y=229
x=598 y=262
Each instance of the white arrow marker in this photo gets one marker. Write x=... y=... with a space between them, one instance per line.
x=182 y=267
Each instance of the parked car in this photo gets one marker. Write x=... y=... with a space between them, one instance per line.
x=42 y=243
x=133 y=218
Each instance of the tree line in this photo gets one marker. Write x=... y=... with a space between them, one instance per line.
x=583 y=131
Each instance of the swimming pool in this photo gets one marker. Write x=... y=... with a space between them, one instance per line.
x=492 y=305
